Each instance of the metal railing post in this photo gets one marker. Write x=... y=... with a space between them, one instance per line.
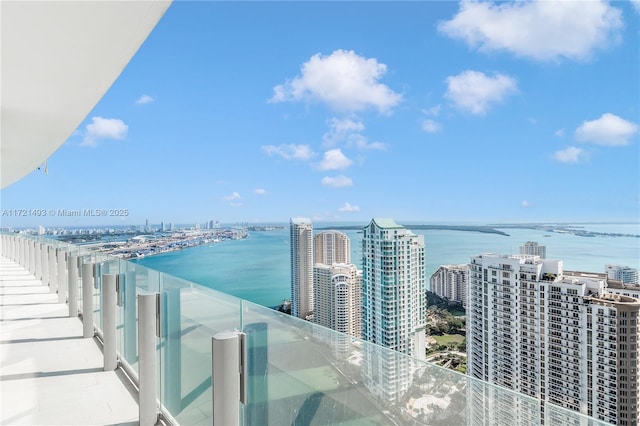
x=147 y=329
x=21 y=252
x=227 y=364
x=44 y=264
x=27 y=254
x=38 y=260
x=87 y=300
x=53 y=271
x=72 y=271
x=62 y=275
x=109 y=321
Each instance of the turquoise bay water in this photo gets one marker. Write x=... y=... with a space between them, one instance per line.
x=257 y=268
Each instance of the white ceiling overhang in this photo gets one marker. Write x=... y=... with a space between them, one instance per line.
x=59 y=58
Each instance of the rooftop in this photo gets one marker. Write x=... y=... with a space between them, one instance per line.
x=49 y=374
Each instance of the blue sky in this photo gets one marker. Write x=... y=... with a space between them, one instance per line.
x=419 y=111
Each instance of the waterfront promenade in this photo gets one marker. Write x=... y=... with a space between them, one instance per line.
x=49 y=374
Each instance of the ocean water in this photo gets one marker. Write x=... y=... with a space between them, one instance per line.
x=257 y=268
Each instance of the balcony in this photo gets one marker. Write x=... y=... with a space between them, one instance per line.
x=293 y=371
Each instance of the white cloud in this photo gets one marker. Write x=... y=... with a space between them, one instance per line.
x=349 y=208
x=559 y=133
x=525 y=204
x=234 y=196
x=542 y=30
x=343 y=80
x=609 y=129
x=144 y=99
x=339 y=181
x=339 y=131
x=431 y=126
x=474 y=91
x=347 y=131
x=290 y=152
x=362 y=142
x=434 y=110
x=334 y=159
x=569 y=155
x=636 y=5
x=260 y=191
x=104 y=128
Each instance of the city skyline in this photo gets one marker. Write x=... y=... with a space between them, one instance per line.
x=412 y=110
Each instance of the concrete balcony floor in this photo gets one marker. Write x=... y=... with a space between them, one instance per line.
x=49 y=374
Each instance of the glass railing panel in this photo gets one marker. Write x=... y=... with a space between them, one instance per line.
x=555 y=415
x=300 y=373
x=191 y=315
x=134 y=280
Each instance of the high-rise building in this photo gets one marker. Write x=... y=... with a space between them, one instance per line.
x=301 y=245
x=533 y=248
x=393 y=287
x=337 y=294
x=625 y=274
x=331 y=247
x=450 y=281
x=337 y=284
x=41 y=230
x=393 y=304
x=555 y=335
x=162 y=227
x=171 y=226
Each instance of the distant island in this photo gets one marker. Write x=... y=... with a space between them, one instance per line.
x=563 y=229
x=495 y=229
x=470 y=228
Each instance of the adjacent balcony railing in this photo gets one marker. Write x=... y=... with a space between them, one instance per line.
x=270 y=368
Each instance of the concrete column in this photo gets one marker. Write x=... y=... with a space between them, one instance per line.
x=62 y=275
x=72 y=272
x=87 y=300
x=109 y=321
x=147 y=338
x=225 y=378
